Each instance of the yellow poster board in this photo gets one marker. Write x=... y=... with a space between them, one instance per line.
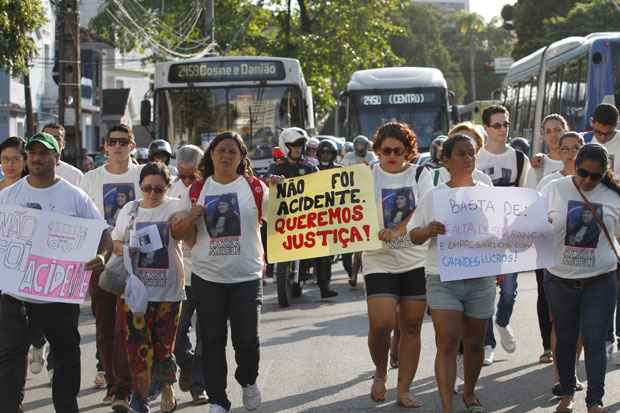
x=321 y=214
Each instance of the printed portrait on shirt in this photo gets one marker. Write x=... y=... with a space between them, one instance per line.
x=157 y=259
x=115 y=196
x=397 y=205
x=503 y=179
x=582 y=230
x=222 y=216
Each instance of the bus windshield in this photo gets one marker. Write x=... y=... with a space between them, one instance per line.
x=258 y=114
x=423 y=109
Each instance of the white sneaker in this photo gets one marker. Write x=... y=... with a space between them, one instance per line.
x=507 y=338
x=216 y=408
x=489 y=356
x=609 y=349
x=36 y=360
x=251 y=397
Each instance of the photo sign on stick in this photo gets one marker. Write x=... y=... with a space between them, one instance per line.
x=43 y=254
x=492 y=231
x=324 y=213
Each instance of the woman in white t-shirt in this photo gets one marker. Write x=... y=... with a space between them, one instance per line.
x=227 y=263
x=394 y=274
x=581 y=287
x=159 y=265
x=553 y=127
x=459 y=309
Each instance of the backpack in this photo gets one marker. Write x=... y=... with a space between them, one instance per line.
x=255 y=186
x=421 y=169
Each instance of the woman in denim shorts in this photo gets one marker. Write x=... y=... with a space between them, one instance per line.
x=460 y=308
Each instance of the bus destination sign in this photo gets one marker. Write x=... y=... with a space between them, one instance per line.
x=226 y=70
x=397 y=99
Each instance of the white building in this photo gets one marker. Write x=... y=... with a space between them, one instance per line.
x=449 y=5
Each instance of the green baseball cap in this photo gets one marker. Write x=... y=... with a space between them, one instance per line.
x=44 y=139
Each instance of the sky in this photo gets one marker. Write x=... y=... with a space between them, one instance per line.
x=488 y=8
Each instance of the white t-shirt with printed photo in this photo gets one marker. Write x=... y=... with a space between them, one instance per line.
x=425 y=214
x=160 y=270
x=60 y=198
x=111 y=192
x=580 y=245
x=613 y=149
x=228 y=247
x=397 y=197
x=502 y=168
x=69 y=173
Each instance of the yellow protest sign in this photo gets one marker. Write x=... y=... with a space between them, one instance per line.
x=324 y=213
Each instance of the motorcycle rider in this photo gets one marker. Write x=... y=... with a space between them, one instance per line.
x=161 y=151
x=311 y=151
x=361 y=152
x=293 y=142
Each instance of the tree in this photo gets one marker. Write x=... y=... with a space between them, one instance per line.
x=18 y=21
x=421 y=43
x=584 y=18
x=529 y=18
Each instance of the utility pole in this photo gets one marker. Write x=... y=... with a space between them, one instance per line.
x=69 y=77
x=209 y=29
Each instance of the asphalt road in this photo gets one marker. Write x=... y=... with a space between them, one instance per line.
x=314 y=358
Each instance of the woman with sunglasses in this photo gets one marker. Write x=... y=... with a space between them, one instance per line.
x=581 y=287
x=459 y=309
x=227 y=267
x=151 y=336
x=394 y=274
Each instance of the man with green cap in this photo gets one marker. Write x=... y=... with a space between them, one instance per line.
x=42 y=189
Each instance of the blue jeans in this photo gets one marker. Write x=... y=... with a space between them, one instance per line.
x=505 y=305
x=582 y=309
x=186 y=358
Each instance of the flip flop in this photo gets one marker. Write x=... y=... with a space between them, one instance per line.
x=475 y=407
x=408 y=400
x=378 y=389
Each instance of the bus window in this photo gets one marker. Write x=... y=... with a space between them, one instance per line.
x=529 y=132
x=550 y=91
x=615 y=59
x=524 y=107
x=568 y=99
x=580 y=108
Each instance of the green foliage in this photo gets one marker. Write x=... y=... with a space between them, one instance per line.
x=584 y=18
x=529 y=19
x=18 y=20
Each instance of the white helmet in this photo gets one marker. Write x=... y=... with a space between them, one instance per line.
x=313 y=143
x=290 y=135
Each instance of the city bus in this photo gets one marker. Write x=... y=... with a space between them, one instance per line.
x=417 y=96
x=257 y=97
x=570 y=77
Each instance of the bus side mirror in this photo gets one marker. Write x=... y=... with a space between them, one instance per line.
x=145 y=112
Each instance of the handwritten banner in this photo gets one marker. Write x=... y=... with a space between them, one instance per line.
x=325 y=213
x=42 y=254
x=492 y=231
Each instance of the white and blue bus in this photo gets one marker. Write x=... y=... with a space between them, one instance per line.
x=417 y=96
x=570 y=77
x=254 y=96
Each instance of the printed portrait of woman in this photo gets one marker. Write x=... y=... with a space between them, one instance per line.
x=222 y=217
x=398 y=204
x=582 y=230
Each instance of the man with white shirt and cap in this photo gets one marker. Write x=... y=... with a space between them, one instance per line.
x=64 y=170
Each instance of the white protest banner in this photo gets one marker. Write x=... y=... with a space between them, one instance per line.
x=43 y=254
x=492 y=231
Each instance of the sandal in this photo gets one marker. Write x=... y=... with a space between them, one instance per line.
x=168 y=402
x=393 y=360
x=378 y=389
x=566 y=405
x=546 y=357
x=408 y=400
x=475 y=407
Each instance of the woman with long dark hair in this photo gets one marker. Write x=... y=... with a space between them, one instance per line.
x=460 y=309
x=226 y=272
x=581 y=287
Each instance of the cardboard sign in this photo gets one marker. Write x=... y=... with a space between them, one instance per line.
x=42 y=254
x=321 y=214
x=492 y=231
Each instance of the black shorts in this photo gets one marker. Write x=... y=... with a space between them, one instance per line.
x=410 y=285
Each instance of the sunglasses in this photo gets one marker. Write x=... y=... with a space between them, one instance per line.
x=147 y=189
x=115 y=141
x=387 y=151
x=500 y=125
x=595 y=176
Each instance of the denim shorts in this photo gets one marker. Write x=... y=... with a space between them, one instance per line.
x=474 y=297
